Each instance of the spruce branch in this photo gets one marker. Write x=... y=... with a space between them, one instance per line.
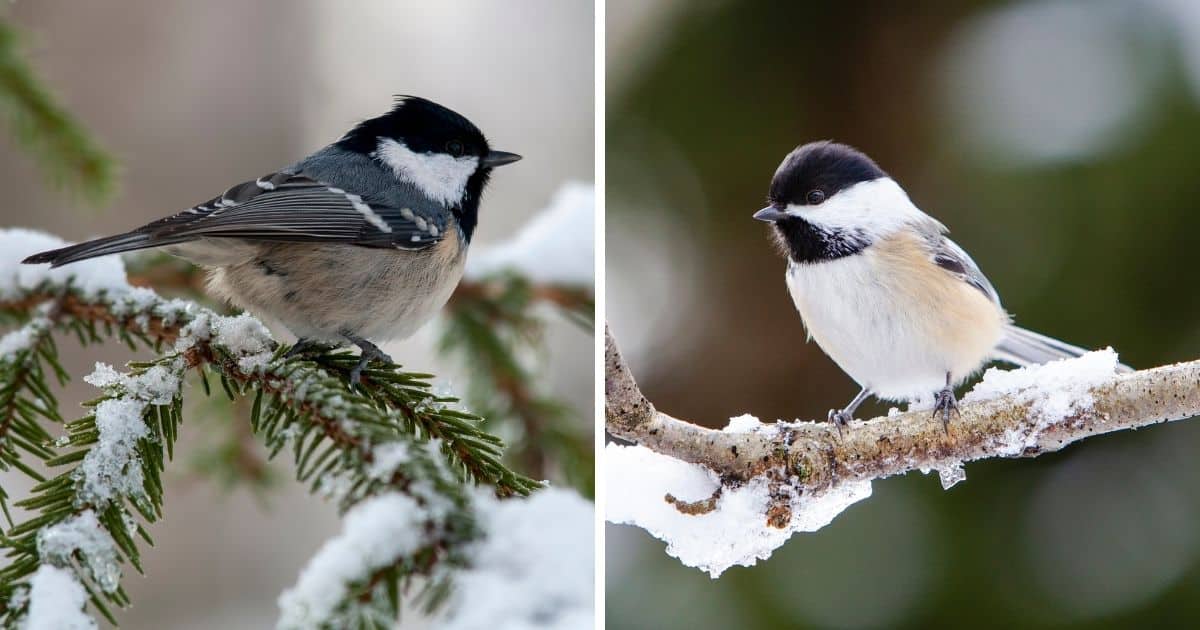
x=491 y=323
x=65 y=150
x=408 y=394
x=24 y=399
x=392 y=441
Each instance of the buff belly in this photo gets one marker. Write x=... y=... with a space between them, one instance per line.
x=324 y=291
x=894 y=321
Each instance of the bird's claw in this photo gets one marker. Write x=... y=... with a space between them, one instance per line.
x=840 y=418
x=370 y=352
x=356 y=372
x=945 y=402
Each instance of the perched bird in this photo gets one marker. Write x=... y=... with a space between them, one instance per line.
x=364 y=239
x=898 y=306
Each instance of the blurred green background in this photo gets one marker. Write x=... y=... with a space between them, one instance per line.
x=1059 y=141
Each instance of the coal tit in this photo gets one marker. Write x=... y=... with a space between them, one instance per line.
x=364 y=239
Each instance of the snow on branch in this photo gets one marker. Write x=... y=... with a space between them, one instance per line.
x=729 y=497
x=390 y=447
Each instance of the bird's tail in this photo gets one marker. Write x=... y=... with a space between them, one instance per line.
x=98 y=247
x=1025 y=347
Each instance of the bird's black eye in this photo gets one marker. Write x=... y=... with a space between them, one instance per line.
x=455 y=148
x=815 y=197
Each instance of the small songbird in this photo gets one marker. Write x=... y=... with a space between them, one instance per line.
x=898 y=306
x=364 y=239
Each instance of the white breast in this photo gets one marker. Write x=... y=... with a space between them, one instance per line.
x=895 y=330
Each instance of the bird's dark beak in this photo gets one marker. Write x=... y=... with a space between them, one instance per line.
x=770 y=214
x=498 y=158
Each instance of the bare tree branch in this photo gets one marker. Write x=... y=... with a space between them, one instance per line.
x=887 y=446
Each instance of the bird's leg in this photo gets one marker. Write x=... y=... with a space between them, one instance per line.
x=843 y=417
x=370 y=352
x=945 y=402
x=305 y=347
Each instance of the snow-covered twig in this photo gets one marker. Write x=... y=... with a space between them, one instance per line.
x=804 y=473
x=391 y=437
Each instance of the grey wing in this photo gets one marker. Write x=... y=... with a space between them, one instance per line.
x=949 y=256
x=1018 y=345
x=292 y=207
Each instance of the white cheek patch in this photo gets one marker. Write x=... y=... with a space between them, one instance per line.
x=877 y=208
x=441 y=177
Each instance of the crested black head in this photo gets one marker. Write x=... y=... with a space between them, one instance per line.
x=444 y=155
x=421 y=125
x=808 y=177
x=817 y=171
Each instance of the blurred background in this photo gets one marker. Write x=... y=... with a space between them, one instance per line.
x=1059 y=141
x=192 y=97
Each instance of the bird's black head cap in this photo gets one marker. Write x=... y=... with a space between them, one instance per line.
x=421 y=125
x=824 y=168
x=807 y=177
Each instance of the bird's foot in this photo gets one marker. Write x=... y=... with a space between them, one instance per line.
x=945 y=402
x=370 y=352
x=840 y=418
x=306 y=347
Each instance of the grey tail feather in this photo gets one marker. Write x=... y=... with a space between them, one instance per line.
x=1025 y=347
x=99 y=247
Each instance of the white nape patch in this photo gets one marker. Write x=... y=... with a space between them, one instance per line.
x=441 y=177
x=878 y=208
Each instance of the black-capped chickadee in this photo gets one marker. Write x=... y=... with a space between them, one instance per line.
x=898 y=306
x=364 y=239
